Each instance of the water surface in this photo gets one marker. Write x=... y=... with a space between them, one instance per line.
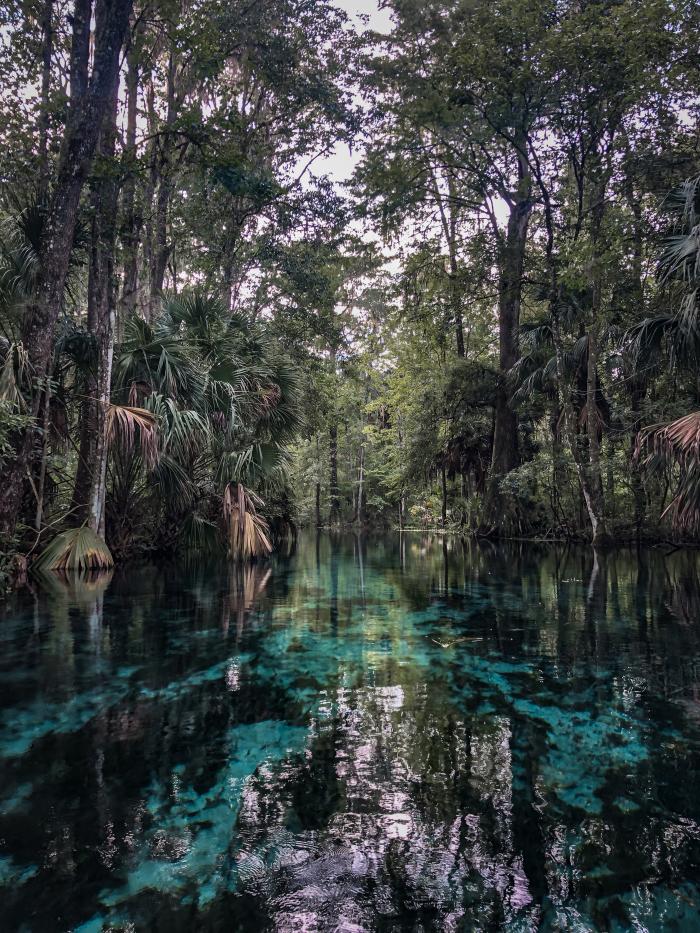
x=362 y=735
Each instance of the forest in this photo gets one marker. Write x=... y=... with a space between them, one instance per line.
x=266 y=265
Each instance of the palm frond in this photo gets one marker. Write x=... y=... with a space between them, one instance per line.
x=247 y=532
x=174 y=482
x=22 y=237
x=76 y=549
x=151 y=356
x=125 y=423
x=200 y=534
x=184 y=432
x=676 y=445
x=535 y=335
x=13 y=372
x=680 y=260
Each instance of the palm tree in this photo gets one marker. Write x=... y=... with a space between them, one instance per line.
x=676 y=334
x=226 y=403
x=203 y=406
x=674 y=447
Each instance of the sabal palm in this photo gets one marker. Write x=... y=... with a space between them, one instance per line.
x=676 y=333
x=225 y=400
x=675 y=447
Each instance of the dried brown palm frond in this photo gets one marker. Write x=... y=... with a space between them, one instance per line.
x=247 y=532
x=76 y=549
x=675 y=448
x=13 y=370
x=124 y=422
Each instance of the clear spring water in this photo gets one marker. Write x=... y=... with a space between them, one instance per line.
x=387 y=734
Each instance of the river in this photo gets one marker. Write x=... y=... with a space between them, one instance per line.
x=364 y=734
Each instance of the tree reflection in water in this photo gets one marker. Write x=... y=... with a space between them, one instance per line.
x=397 y=734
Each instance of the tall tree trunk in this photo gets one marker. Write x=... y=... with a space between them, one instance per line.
x=88 y=496
x=45 y=431
x=636 y=382
x=88 y=107
x=594 y=492
x=580 y=449
x=334 y=517
x=46 y=53
x=456 y=305
x=449 y=218
x=163 y=195
x=455 y=285
x=334 y=491
x=360 y=485
x=131 y=209
x=43 y=189
x=443 y=487
x=504 y=454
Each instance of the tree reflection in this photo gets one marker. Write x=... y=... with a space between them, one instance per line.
x=413 y=732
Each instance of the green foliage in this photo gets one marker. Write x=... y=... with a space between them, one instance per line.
x=11 y=421
x=76 y=549
x=507 y=253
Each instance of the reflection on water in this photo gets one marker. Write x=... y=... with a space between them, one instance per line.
x=396 y=734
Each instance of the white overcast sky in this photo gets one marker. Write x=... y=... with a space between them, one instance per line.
x=340 y=164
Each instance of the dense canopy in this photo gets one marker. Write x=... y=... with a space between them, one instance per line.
x=263 y=265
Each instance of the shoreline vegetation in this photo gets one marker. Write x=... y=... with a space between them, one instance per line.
x=275 y=265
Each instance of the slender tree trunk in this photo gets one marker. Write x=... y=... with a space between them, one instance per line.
x=360 y=485
x=334 y=491
x=334 y=517
x=318 y=505
x=504 y=454
x=443 y=485
x=131 y=209
x=89 y=493
x=161 y=246
x=46 y=53
x=354 y=504
x=594 y=492
x=591 y=497
x=563 y=385
x=149 y=188
x=86 y=449
x=43 y=188
x=636 y=382
x=88 y=107
x=455 y=285
x=640 y=503
x=449 y=217
x=41 y=484
x=456 y=303
x=163 y=194
x=586 y=455
x=230 y=246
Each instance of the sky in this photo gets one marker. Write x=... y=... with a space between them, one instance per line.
x=364 y=14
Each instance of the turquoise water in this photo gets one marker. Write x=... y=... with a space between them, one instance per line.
x=393 y=734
